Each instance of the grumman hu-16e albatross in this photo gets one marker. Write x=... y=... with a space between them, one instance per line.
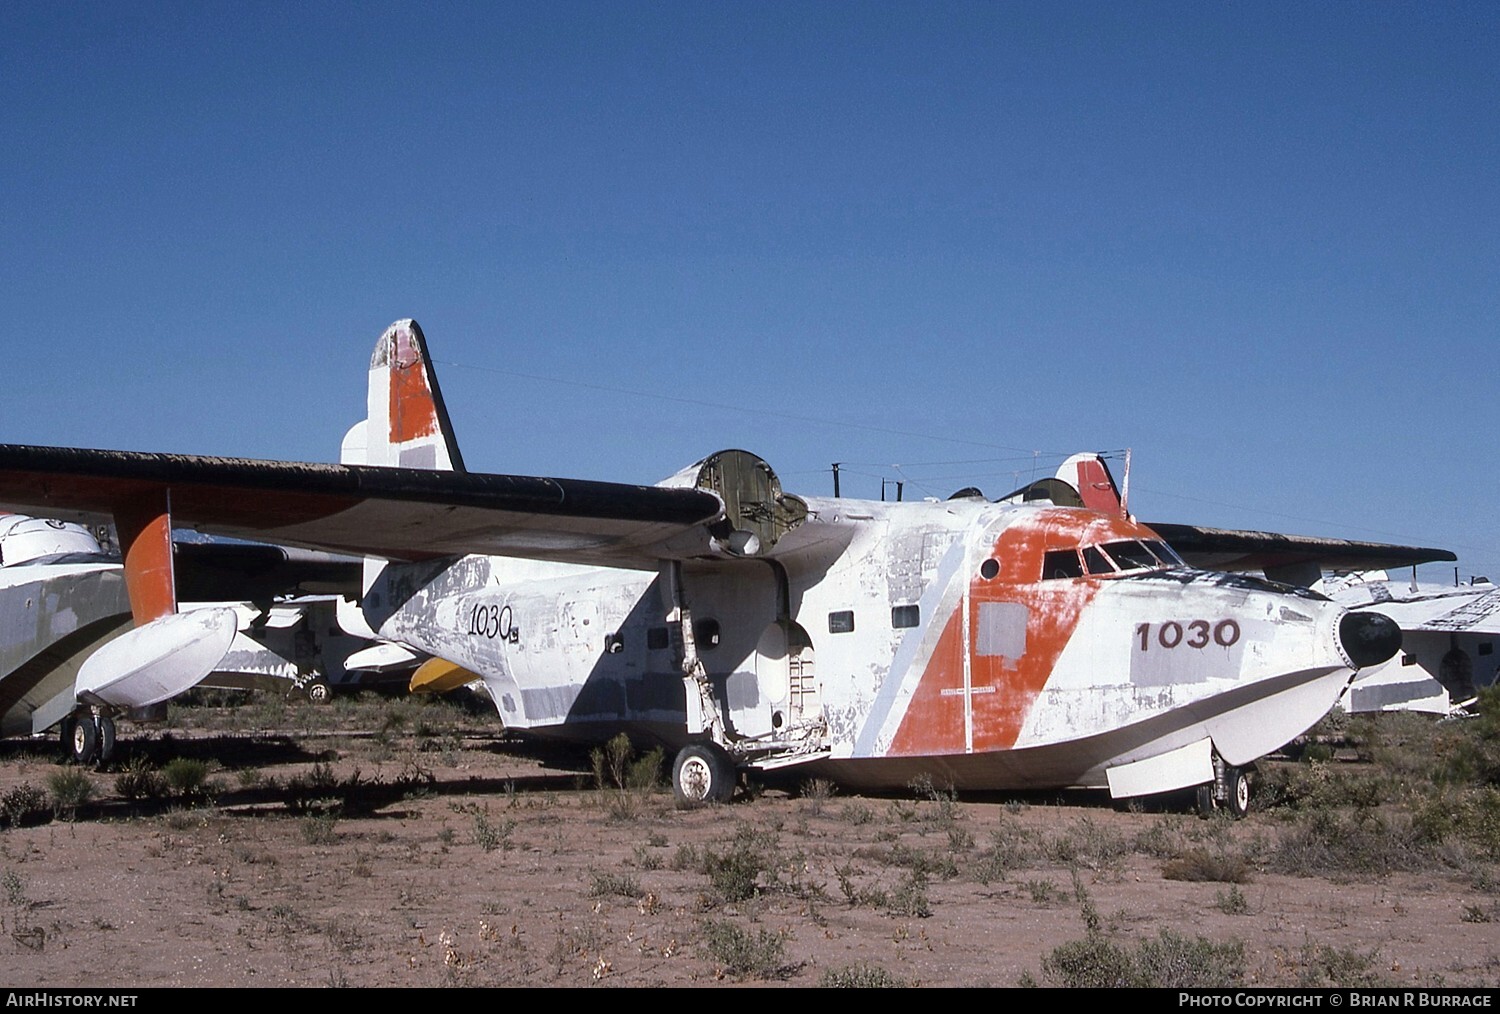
x=986 y=645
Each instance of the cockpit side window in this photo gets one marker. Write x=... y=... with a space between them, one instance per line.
x=1096 y=562
x=1061 y=563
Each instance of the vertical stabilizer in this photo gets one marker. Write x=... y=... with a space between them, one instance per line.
x=1088 y=474
x=407 y=424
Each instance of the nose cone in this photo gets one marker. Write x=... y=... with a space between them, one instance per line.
x=1369 y=638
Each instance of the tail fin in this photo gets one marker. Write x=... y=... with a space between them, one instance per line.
x=407 y=424
x=1089 y=474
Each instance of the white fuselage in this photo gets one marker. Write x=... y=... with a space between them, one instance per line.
x=886 y=639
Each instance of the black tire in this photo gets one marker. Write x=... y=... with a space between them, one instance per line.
x=1205 y=800
x=84 y=743
x=1237 y=798
x=318 y=691
x=65 y=736
x=106 y=739
x=702 y=774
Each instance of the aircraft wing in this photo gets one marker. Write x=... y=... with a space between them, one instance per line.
x=395 y=513
x=1287 y=557
x=1465 y=609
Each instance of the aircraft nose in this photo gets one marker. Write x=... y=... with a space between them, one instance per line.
x=1369 y=638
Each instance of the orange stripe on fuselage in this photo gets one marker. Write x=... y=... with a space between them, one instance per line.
x=1005 y=689
x=413 y=413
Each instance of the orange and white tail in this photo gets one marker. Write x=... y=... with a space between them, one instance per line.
x=1090 y=476
x=407 y=424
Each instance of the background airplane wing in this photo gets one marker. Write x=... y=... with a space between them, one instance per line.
x=1297 y=559
x=396 y=513
x=1471 y=609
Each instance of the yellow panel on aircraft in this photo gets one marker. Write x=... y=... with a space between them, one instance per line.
x=438 y=676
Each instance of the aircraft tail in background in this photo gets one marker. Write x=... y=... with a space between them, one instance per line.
x=407 y=423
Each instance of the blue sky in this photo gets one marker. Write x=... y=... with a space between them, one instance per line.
x=943 y=242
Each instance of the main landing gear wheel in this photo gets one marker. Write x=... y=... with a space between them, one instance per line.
x=106 y=739
x=1232 y=796
x=82 y=738
x=1237 y=794
x=701 y=774
x=318 y=692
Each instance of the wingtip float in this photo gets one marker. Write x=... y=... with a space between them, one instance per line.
x=984 y=644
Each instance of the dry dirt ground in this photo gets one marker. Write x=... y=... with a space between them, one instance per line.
x=391 y=844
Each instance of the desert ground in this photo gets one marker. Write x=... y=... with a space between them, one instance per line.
x=403 y=842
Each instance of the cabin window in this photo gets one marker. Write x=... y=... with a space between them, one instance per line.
x=1486 y=648
x=706 y=634
x=1095 y=562
x=841 y=622
x=1061 y=563
x=1408 y=660
x=657 y=639
x=989 y=568
x=905 y=616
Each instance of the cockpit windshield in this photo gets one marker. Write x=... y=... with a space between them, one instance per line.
x=1110 y=558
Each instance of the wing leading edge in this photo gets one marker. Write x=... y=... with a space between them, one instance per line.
x=396 y=513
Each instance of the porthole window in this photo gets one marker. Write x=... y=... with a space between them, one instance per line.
x=989 y=568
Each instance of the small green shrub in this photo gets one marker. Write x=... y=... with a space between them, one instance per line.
x=1323 y=966
x=1232 y=902
x=910 y=897
x=603 y=884
x=858 y=814
x=735 y=871
x=1088 y=844
x=140 y=781
x=320 y=828
x=746 y=956
x=71 y=790
x=15 y=889
x=1043 y=892
x=491 y=836
x=861 y=976
x=1325 y=841
x=816 y=792
x=24 y=806
x=1168 y=962
x=185 y=777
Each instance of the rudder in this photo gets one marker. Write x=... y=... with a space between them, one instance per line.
x=407 y=424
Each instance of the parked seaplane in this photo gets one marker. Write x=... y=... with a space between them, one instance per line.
x=64 y=601
x=1448 y=637
x=983 y=644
